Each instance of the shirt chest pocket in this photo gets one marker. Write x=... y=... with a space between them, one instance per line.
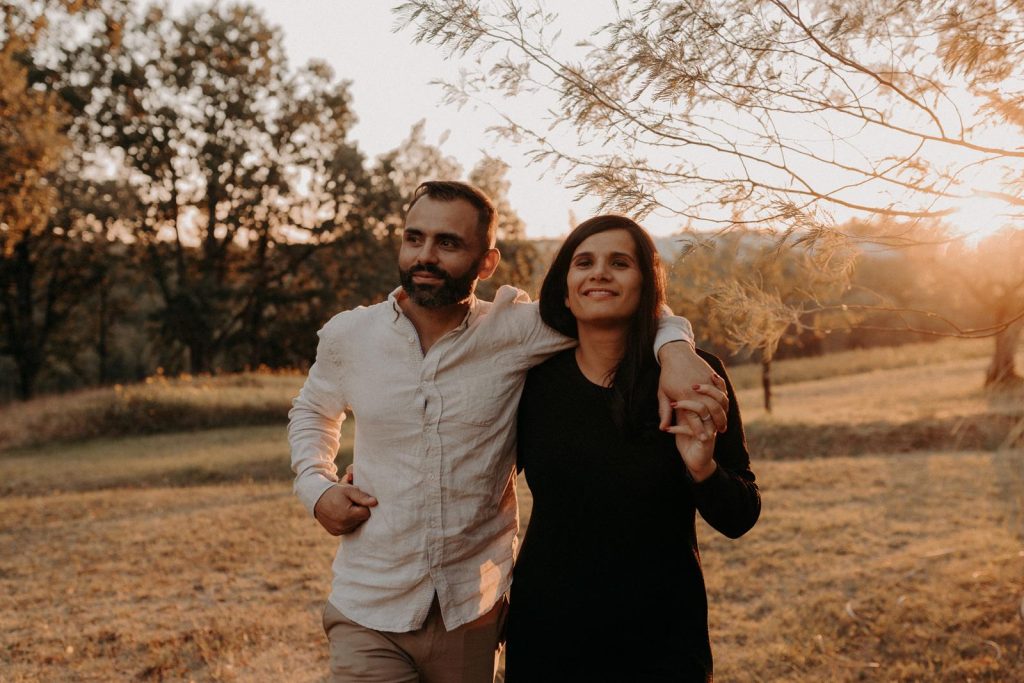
x=477 y=400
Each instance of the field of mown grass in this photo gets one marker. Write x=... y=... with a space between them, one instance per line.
x=184 y=556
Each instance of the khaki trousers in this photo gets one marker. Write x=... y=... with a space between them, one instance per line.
x=469 y=654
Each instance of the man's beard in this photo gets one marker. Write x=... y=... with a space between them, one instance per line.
x=451 y=290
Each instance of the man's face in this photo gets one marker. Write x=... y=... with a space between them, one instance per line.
x=442 y=254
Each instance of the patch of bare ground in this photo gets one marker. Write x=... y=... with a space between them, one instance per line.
x=891 y=568
x=217 y=583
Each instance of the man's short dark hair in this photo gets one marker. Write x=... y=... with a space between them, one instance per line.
x=449 y=191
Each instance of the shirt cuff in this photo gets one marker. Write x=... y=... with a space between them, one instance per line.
x=708 y=487
x=672 y=328
x=310 y=489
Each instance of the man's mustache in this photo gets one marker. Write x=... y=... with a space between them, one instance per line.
x=429 y=269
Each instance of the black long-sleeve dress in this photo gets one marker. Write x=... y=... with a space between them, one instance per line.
x=608 y=586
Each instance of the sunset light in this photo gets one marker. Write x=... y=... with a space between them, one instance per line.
x=978 y=217
x=434 y=340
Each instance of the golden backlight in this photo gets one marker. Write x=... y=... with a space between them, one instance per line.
x=980 y=216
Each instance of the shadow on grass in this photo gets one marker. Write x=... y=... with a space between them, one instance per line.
x=261 y=471
x=795 y=441
x=233 y=455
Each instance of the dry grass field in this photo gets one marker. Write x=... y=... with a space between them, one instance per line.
x=184 y=556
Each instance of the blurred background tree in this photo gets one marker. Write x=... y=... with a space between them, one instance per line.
x=47 y=266
x=749 y=294
x=518 y=255
x=173 y=194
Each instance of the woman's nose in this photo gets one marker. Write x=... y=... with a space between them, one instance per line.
x=600 y=271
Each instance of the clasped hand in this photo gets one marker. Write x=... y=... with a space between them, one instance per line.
x=696 y=423
x=343 y=507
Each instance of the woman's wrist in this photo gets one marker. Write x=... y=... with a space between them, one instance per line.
x=702 y=473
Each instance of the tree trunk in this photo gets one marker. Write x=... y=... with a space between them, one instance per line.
x=766 y=382
x=28 y=370
x=102 y=350
x=24 y=341
x=1002 y=370
x=198 y=358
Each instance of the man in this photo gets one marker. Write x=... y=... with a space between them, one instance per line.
x=434 y=376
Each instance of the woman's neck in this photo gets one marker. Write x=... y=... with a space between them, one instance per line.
x=599 y=352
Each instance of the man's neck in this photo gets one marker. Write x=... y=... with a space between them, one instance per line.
x=599 y=352
x=432 y=323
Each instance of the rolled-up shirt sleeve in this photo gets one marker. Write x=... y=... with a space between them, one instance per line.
x=314 y=421
x=672 y=328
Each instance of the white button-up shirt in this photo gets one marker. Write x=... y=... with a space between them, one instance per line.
x=434 y=443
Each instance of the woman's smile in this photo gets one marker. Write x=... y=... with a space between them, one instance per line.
x=604 y=282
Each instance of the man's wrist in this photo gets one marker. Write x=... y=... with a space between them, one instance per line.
x=668 y=350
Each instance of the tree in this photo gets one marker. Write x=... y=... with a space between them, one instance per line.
x=231 y=156
x=761 y=112
x=993 y=275
x=517 y=254
x=46 y=266
x=31 y=143
x=751 y=295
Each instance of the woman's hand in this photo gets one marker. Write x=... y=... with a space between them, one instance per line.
x=697 y=452
x=682 y=371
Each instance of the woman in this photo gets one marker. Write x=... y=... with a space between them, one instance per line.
x=608 y=586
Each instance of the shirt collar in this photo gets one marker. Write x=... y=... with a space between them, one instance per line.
x=398 y=294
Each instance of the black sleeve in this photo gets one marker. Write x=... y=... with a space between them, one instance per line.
x=729 y=500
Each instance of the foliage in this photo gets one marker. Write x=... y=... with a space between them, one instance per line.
x=750 y=294
x=517 y=254
x=191 y=200
x=230 y=155
x=46 y=266
x=726 y=91
x=760 y=113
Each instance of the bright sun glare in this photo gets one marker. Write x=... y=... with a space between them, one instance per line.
x=979 y=217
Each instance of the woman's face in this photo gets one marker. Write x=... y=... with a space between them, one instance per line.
x=604 y=280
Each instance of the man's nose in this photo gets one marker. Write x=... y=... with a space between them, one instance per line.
x=428 y=253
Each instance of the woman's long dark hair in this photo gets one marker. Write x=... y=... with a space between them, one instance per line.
x=630 y=377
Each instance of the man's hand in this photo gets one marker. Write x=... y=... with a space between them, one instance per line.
x=343 y=507
x=691 y=384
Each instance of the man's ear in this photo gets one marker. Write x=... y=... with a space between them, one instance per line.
x=489 y=263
